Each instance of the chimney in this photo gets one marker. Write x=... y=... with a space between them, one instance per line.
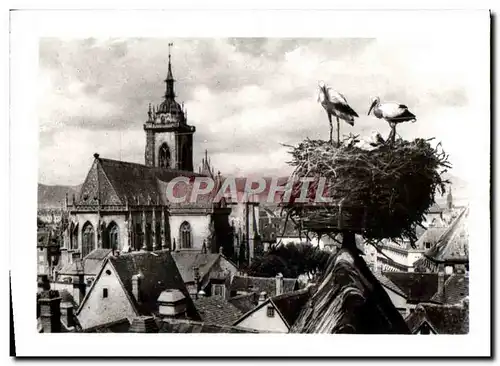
x=43 y=283
x=440 y=289
x=67 y=314
x=221 y=250
x=196 y=276
x=262 y=297
x=201 y=293
x=172 y=304
x=136 y=286
x=204 y=247
x=50 y=311
x=279 y=284
x=143 y=324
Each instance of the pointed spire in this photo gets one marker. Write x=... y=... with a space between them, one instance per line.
x=169 y=92
x=150 y=113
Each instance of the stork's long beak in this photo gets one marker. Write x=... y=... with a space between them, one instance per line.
x=371 y=107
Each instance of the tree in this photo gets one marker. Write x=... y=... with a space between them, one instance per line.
x=291 y=260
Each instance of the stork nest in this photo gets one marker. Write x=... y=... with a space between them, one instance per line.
x=382 y=193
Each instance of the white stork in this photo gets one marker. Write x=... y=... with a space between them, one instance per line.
x=336 y=105
x=393 y=113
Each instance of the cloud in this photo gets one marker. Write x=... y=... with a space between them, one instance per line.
x=245 y=96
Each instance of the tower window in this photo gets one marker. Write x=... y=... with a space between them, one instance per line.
x=185 y=235
x=88 y=239
x=164 y=156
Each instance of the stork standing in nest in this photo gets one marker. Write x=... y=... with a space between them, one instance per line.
x=393 y=113
x=335 y=104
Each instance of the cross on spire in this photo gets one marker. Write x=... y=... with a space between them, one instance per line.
x=169 y=92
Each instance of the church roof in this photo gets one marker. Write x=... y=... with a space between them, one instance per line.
x=115 y=182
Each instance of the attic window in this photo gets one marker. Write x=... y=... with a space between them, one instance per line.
x=104 y=293
x=270 y=312
x=108 y=272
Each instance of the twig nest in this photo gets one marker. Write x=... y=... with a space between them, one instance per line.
x=379 y=193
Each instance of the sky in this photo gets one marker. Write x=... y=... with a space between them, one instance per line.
x=247 y=97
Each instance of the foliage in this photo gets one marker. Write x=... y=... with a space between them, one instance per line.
x=291 y=260
x=379 y=193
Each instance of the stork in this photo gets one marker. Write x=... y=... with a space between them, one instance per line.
x=336 y=105
x=393 y=113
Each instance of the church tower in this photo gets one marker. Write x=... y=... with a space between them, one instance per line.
x=169 y=139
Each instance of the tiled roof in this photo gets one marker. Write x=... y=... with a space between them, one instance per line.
x=159 y=273
x=244 y=302
x=443 y=319
x=431 y=235
x=259 y=284
x=349 y=299
x=290 y=304
x=188 y=326
x=120 y=326
x=187 y=260
x=418 y=287
x=384 y=281
x=453 y=245
x=115 y=182
x=217 y=310
x=456 y=288
x=92 y=263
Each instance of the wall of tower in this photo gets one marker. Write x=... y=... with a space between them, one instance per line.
x=149 y=154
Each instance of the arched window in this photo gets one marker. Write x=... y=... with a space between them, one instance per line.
x=185 y=235
x=112 y=237
x=164 y=156
x=88 y=239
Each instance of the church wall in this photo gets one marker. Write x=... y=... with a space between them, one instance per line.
x=120 y=220
x=200 y=228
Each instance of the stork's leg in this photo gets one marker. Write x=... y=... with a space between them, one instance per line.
x=392 y=136
x=338 y=132
x=331 y=126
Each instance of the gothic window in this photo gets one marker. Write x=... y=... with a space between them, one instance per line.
x=112 y=237
x=185 y=235
x=88 y=239
x=164 y=156
x=148 y=236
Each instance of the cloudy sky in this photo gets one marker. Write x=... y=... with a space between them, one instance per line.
x=245 y=96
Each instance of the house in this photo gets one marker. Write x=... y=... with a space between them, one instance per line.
x=272 y=286
x=124 y=206
x=349 y=299
x=217 y=310
x=417 y=287
x=275 y=314
x=451 y=252
x=203 y=271
x=134 y=284
x=429 y=318
x=48 y=252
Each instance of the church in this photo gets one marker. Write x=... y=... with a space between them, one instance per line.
x=122 y=206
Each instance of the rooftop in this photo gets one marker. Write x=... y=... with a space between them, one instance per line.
x=349 y=299
x=217 y=310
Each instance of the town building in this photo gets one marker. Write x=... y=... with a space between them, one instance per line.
x=136 y=284
x=275 y=314
x=123 y=206
x=48 y=252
